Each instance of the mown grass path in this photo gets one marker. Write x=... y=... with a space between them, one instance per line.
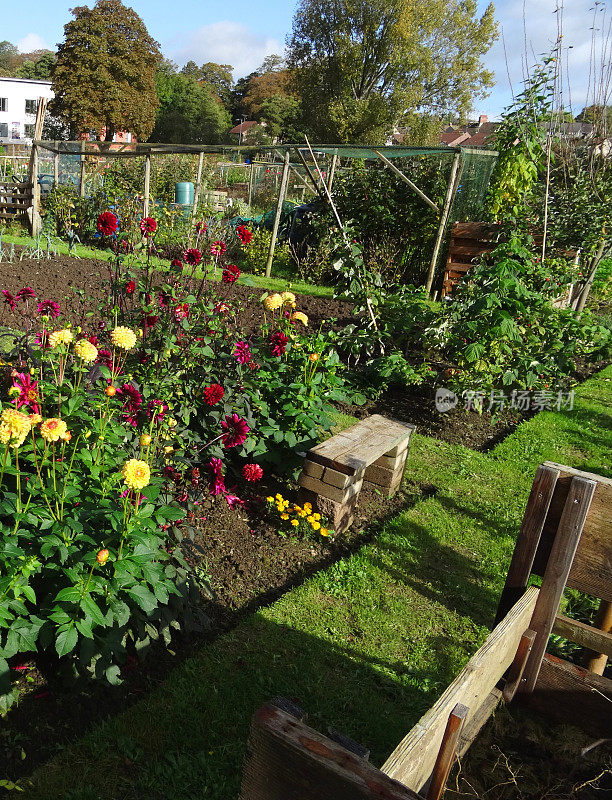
x=365 y=646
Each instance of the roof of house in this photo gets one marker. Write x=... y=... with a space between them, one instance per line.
x=244 y=126
x=454 y=138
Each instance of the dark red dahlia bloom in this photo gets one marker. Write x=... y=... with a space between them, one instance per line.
x=25 y=294
x=201 y=227
x=230 y=274
x=49 y=308
x=217 y=248
x=93 y=339
x=278 y=343
x=242 y=352
x=108 y=224
x=253 y=366
x=157 y=408
x=181 y=311
x=105 y=357
x=151 y=320
x=252 y=472
x=244 y=234
x=176 y=262
x=9 y=299
x=148 y=226
x=132 y=403
x=192 y=257
x=215 y=468
x=213 y=394
x=28 y=392
x=235 y=430
x=130 y=288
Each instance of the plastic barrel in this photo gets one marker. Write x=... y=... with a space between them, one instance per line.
x=183 y=193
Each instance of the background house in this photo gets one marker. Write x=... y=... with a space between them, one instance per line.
x=18 y=103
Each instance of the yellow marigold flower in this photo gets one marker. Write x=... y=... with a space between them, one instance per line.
x=297 y=508
x=303 y=513
x=272 y=302
x=313 y=357
x=136 y=474
x=308 y=506
x=288 y=297
x=269 y=499
x=298 y=316
x=310 y=519
x=53 y=429
x=316 y=526
x=86 y=350
x=60 y=337
x=278 y=496
x=123 y=337
x=324 y=532
x=316 y=516
x=284 y=516
x=295 y=522
x=280 y=507
x=14 y=427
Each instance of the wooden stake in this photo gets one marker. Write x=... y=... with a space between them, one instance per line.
x=147 y=184
x=447 y=752
x=56 y=169
x=198 y=187
x=82 y=178
x=407 y=180
x=36 y=222
x=332 y=172
x=313 y=180
x=596 y=662
x=450 y=193
x=279 y=210
x=251 y=181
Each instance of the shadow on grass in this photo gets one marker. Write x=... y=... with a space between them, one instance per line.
x=188 y=738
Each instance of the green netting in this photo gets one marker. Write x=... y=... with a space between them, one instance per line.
x=476 y=169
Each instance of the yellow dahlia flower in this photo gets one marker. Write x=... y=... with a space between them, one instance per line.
x=14 y=427
x=272 y=302
x=60 y=337
x=298 y=316
x=136 y=474
x=86 y=351
x=123 y=337
x=53 y=429
x=288 y=297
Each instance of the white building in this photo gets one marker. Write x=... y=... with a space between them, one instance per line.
x=18 y=102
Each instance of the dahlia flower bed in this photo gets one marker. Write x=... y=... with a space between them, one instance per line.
x=117 y=427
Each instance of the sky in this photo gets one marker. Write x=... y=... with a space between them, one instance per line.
x=242 y=33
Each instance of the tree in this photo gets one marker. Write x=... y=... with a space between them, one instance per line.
x=40 y=69
x=362 y=64
x=282 y=116
x=219 y=77
x=263 y=87
x=598 y=115
x=105 y=71
x=188 y=112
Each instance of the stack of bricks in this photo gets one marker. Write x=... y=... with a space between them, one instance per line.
x=372 y=453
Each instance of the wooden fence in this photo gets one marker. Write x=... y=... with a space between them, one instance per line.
x=566 y=538
x=15 y=199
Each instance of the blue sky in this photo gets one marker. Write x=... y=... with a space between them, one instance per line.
x=242 y=33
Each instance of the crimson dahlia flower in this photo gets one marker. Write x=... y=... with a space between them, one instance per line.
x=213 y=394
x=192 y=257
x=230 y=274
x=148 y=226
x=9 y=299
x=235 y=431
x=217 y=484
x=49 y=308
x=25 y=294
x=28 y=392
x=278 y=343
x=242 y=352
x=217 y=248
x=107 y=224
x=252 y=472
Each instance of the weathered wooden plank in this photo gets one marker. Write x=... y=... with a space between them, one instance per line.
x=594 y=660
x=413 y=759
x=538 y=503
x=591 y=571
x=475 y=230
x=469 y=247
x=570 y=694
x=477 y=721
x=584 y=635
x=560 y=561
x=287 y=760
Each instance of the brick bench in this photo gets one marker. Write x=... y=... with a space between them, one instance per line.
x=371 y=453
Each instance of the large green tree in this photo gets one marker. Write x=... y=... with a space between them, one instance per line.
x=361 y=65
x=188 y=111
x=105 y=71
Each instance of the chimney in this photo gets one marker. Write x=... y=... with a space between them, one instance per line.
x=482 y=119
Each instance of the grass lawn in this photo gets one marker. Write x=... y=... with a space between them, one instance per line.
x=366 y=645
x=273 y=284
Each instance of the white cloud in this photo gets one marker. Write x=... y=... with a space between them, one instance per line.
x=526 y=40
x=225 y=43
x=31 y=42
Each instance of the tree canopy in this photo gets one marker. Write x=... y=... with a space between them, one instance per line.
x=105 y=71
x=362 y=65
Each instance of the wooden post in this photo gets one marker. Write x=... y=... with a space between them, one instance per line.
x=450 y=193
x=198 y=186
x=332 y=172
x=596 y=662
x=82 y=178
x=147 y=184
x=251 y=181
x=279 y=209
x=55 y=169
x=35 y=193
x=447 y=752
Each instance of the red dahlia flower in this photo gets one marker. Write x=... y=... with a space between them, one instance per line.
x=49 y=308
x=230 y=274
x=25 y=294
x=105 y=357
x=130 y=288
x=217 y=484
x=132 y=403
x=9 y=299
x=192 y=257
x=28 y=392
x=181 y=311
x=242 y=352
x=201 y=227
x=278 y=343
x=157 y=408
x=93 y=339
x=252 y=472
x=176 y=262
x=213 y=394
x=235 y=430
x=108 y=224
x=244 y=234
x=148 y=226
x=217 y=248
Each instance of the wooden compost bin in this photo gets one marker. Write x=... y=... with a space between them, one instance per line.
x=565 y=538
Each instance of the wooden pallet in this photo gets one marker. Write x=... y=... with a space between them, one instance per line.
x=468 y=243
x=15 y=199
